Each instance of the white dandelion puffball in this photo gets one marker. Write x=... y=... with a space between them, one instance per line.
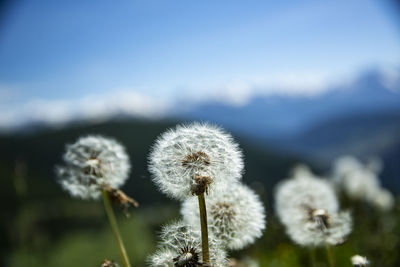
x=236 y=216
x=346 y=165
x=90 y=163
x=360 y=181
x=359 y=261
x=188 y=152
x=301 y=170
x=383 y=199
x=293 y=196
x=322 y=229
x=164 y=257
x=181 y=246
x=354 y=178
x=308 y=208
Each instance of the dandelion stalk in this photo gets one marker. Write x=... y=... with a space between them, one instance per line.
x=329 y=255
x=204 y=230
x=115 y=230
x=191 y=160
x=312 y=257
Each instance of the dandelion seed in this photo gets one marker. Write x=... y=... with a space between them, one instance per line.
x=236 y=215
x=359 y=261
x=194 y=158
x=308 y=207
x=181 y=246
x=90 y=163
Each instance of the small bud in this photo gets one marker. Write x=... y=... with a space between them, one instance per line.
x=201 y=184
x=108 y=263
x=119 y=197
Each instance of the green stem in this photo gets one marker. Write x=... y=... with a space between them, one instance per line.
x=114 y=227
x=312 y=257
x=330 y=255
x=204 y=230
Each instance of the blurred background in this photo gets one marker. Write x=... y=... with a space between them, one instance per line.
x=294 y=81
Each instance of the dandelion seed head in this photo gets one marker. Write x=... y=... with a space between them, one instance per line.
x=236 y=215
x=162 y=258
x=355 y=179
x=361 y=182
x=91 y=162
x=187 y=257
x=308 y=208
x=295 y=198
x=383 y=199
x=330 y=229
x=301 y=170
x=195 y=150
x=359 y=261
x=345 y=165
x=181 y=246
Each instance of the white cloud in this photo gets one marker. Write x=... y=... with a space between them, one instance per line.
x=90 y=107
x=131 y=102
x=138 y=104
x=240 y=92
x=123 y=101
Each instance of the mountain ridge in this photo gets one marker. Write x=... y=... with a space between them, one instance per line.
x=276 y=116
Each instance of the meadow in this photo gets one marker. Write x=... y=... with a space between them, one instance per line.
x=42 y=225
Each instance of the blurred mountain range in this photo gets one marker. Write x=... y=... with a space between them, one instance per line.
x=284 y=116
x=361 y=118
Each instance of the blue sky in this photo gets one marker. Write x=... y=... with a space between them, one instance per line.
x=57 y=55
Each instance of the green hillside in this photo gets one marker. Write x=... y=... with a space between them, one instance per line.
x=44 y=211
x=42 y=151
x=42 y=226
